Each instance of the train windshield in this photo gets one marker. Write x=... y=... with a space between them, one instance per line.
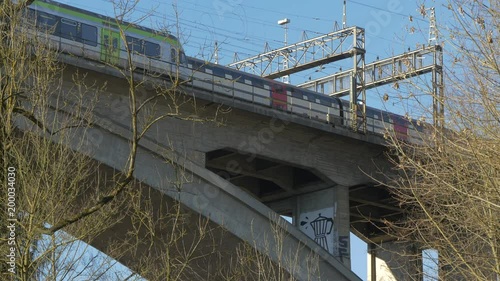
x=178 y=56
x=182 y=58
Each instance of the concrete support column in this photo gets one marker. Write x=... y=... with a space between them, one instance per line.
x=394 y=261
x=324 y=217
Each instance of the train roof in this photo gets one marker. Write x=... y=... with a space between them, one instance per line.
x=101 y=19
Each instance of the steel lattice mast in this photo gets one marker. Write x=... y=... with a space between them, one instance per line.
x=350 y=43
x=309 y=53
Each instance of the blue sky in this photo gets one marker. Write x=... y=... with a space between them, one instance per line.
x=244 y=26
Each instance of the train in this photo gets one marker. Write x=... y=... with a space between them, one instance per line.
x=306 y=103
x=96 y=37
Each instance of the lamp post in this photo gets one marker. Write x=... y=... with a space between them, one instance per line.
x=284 y=22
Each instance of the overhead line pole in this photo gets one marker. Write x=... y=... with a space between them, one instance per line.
x=381 y=72
x=303 y=55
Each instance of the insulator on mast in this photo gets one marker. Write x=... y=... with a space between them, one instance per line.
x=433 y=33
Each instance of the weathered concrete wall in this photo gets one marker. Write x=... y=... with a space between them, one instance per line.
x=394 y=261
x=324 y=216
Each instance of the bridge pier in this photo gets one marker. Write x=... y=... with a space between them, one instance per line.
x=324 y=217
x=394 y=261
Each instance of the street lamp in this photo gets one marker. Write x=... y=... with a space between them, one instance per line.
x=284 y=22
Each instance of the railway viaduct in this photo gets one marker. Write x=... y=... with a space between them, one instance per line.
x=244 y=171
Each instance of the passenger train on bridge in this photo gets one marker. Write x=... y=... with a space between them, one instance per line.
x=86 y=34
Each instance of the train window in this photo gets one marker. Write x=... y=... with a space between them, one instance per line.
x=31 y=16
x=277 y=89
x=182 y=57
x=134 y=45
x=89 y=34
x=219 y=72
x=69 y=29
x=173 y=55
x=196 y=65
x=257 y=82
x=151 y=49
x=297 y=94
x=48 y=22
x=324 y=101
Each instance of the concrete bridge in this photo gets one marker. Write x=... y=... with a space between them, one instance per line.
x=256 y=163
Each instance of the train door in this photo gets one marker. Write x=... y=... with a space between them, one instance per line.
x=110 y=46
x=278 y=96
x=400 y=125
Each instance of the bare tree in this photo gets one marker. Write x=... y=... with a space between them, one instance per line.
x=252 y=264
x=449 y=184
x=37 y=167
x=64 y=198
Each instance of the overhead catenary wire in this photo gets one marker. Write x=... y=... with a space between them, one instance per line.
x=387 y=10
x=201 y=34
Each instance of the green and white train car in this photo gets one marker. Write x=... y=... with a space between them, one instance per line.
x=97 y=37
